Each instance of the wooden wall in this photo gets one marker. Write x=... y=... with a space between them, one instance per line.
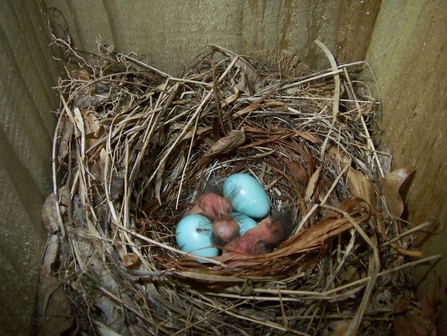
x=404 y=42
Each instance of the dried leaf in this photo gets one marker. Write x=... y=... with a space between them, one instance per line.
x=309 y=137
x=338 y=328
x=51 y=254
x=131 y=261
x=80 y=74
x=250 y=81
x=393 y=188
x=93 y=128
x=49 y=214
x=64 y=195
x=91 y=257
x=101 y=163
x=65 y=134
x=337 y=157
x=113 y=316
x=429 y=305
x=92 y=228
x=253 y=106
x=191 y=132
x=80 y=127
x=312 y=184
x=104 y=330
x=297 y=171
x=360 y=186
x=234 y=139
x=416 y=320
x=349 y=274
x=231 y=98
x=159 y=181
x=54 y=316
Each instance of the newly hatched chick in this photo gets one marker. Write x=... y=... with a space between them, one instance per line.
x=225 y=229
x=211 y=205
x=261 y=239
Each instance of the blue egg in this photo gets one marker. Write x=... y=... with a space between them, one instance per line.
x=247 y=195
x=245 y=223
x=193 y=235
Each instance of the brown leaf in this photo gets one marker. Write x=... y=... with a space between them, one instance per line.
x=231 y=98
x=296 y=170
x=131 y=261
x=93 y=128
x=250 y=81
x=65 y=135
x=360 y=186
x=338 y=158
x=394 y=187
x=49 y=214
x=338 y=328
x=419 y=320
x=51 y=254
x=191 y=132
x=429 y=305
x=159 y=181
x=113 y=315
x=312 y=184
x=234 y=139
x=80 y=74
x=65 y=195
x=349 y=274
x=54 y=314
x=309 y=137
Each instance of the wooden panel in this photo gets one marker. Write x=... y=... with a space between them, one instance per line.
x=22 y=53
x=170 y=33
x=294 y=25
x=22 y=243
x=408 y=53
x=28 y=73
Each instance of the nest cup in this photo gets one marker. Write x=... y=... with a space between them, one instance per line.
x=135 y=147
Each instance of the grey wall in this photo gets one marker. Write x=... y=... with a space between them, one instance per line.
x=403 y=41
x=26 y=127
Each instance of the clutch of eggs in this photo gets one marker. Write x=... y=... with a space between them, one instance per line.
x=249 y=200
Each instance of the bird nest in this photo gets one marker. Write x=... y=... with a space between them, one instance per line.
x=134 y=147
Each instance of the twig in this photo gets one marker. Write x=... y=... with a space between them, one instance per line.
x=354 y=324
x=336 y=96
x=60 y=222
x=365 y=128
x=408 y=232
x=167 y=247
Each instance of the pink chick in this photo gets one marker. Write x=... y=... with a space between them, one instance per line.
x=211 y=205
x=225 y=229
x=270 y=232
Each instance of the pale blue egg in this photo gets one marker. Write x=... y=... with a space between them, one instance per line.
x=247 y=195
x=245 y=223
x=193 y=235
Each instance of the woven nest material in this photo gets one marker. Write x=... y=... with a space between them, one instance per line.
x=134 y=147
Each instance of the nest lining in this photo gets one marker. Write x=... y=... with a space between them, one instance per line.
x=134 y=147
